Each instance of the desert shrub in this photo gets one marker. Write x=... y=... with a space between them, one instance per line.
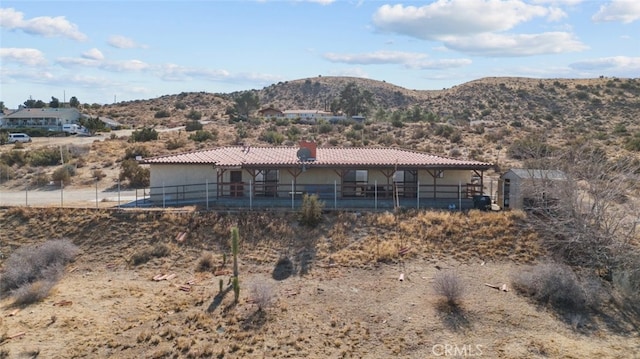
x=144 y=135
x=534 y=146
x=272 y=137
x=552 y=284
x=206 y=262
x=98 y=174
x=143 y=256
x=40 y=179
x=63 y=174
x=180 y=105
x=325 y=128
x=137 y=176
x=48 y=156
x=194 y=115
x=262 y=294
x=31 y=271
x=6 y=172
x=162 y=114
x=175 y=143
x=193 y=125
x=633 y=143
x=135 y=151
x=443 y=130
x=448 y=285
x=14 y=157
x=311 y=211
x=202 y=135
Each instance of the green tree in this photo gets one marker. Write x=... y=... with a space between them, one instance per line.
x=93 y=125
x=73 y=102
x=245 y=104
x=54 y=103
x=137 y=176
x=354 y=100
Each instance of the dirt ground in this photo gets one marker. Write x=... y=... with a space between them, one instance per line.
x=105 y=307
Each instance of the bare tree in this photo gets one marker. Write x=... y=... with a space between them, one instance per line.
x=588 y=217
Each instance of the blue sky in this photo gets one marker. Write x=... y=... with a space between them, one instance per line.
x=99 y=51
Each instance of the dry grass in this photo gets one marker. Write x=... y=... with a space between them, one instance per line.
x=356 y=309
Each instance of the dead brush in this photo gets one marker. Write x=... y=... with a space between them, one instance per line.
x=206 y=262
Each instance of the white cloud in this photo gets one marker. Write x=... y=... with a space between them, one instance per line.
x=559 y=2
x=122 y=42
x=441 y=64
x=47 y=26
x=350 y=72
x=614 y=63
x=408 y=59
x=378 y=57
x=24 y=56
x=93 y=54
x=626 y=11
x=489 y=44
x=114 y=66
x=456 y=17
x=478 y=27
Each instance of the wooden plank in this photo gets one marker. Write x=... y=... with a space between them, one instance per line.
x=170 y=276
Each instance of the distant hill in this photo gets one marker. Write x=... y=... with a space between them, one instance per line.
x=478 y=119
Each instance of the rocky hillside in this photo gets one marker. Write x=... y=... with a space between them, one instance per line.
x=478 y=119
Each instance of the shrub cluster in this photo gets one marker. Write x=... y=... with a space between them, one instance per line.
x=555 y=285
x=193 y=125
x=144 y=135
x=137 y=176
x=448 y=285
x=202 y=135
x=30 y=272
x=311 y=210
x=158 y=251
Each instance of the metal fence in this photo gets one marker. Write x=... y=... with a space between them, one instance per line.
x=249 y=195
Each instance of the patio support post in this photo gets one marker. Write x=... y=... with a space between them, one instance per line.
x=460 y=195
x=335 y=194
x=206 y=190
x=375 y=193
x=293 y=194
x=250 y=194
x=418 y=195
x=163 y=196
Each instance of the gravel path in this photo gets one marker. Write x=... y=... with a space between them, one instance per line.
x=72 y=197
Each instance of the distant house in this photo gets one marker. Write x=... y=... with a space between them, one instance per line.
x=248 y=177
x=523 y=188
x=41 y=118
x=270 y=112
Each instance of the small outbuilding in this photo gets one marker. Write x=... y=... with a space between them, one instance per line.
x=521 y=188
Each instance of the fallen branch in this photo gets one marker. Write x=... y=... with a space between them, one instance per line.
x=498 y=287
x=17 y=335
x=13 y=312
x=63 y=303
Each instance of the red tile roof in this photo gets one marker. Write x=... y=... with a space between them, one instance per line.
x=239 y=156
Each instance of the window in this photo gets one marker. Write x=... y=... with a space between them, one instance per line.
x=267 y=183
x=354 y=183
x=406 y=182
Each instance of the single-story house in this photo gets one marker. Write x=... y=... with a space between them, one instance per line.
x=356 y=177
x=41 y=118
x=270 y=112
x=521 y=188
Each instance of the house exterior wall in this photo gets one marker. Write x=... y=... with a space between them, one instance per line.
x=192 y=182
x=181 y=181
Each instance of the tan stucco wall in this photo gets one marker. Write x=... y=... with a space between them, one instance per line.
x=176 y=178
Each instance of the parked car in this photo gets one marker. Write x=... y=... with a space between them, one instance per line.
x=19 y=137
